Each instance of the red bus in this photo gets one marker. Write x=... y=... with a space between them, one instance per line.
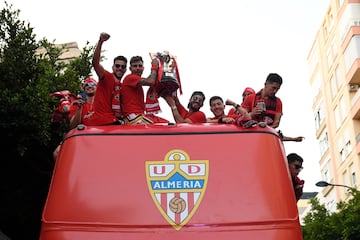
x=176 y=181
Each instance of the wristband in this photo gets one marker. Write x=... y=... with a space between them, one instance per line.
x=220 y=120
x=154 y=67
x=173 y=107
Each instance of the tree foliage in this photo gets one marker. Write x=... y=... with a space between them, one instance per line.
x=27 y=77
x=344 y=224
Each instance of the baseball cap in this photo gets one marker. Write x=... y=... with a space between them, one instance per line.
x=248 y=90
x=89 y=81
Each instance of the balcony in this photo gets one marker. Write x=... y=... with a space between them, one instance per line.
x=355 y=102
x=353 y=75
x=358 y=143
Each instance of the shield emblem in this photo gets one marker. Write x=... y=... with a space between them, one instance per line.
x=177 y=185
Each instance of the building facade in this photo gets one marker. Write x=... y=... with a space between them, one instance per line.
x=304 y=205
x=334 y=62
x=69 y=51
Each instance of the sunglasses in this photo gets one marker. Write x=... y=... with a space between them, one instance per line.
x=137 y=65
x=91 y=84
x=298 y=167
x=197 y=98
x=120 y=66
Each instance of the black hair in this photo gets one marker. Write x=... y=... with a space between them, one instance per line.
x=213 y=98
x=292 y=157
x=121 y=58
x=197 y=93
x=274 y=78
x=136 y=59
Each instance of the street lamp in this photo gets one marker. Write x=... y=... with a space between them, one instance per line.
x=325 y=184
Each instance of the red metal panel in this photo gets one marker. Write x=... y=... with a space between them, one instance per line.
x=100 y=191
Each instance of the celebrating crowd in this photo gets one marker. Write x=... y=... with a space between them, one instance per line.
x=117 y=98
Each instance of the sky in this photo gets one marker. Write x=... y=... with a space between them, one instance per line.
x=221 y=48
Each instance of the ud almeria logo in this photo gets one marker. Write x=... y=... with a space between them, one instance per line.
x=177 y=185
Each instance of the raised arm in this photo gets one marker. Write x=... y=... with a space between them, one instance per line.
x=99 y=69
x=151 y=79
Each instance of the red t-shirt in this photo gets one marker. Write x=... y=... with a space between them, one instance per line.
x=195 y=117
x=86 y=112
x=103 y=113
x=231 y=112
x=273 y=105
x=233 y=115
x=132 y=95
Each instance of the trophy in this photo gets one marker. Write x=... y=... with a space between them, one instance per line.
x=168 y=81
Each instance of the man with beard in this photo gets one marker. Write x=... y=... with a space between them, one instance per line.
x=193 y=115
x=107 y=108
x=134 y=109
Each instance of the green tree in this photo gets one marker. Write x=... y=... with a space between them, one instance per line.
x=344 y=224
x=27 y=77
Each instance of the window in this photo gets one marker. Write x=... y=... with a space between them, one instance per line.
x=329 y=58
x=347 y=143
x=333 y=87
x=340 y=113
x=324 y=143
x=330 y=202
x=332 y=51
x=348 y=19
x=334 y=48
x=319 y=116
x=339 y=79
x=326 y=33
x=315 y=88
x=352 y=176
x=341 y=150
x=340 y=2
x=352 y=52
x=342 y=154
x=343 y=109
x=331 y=21
x=325 y=171
x=337 y=118
x=345 y=177
x=344 y=146
x=353 y=179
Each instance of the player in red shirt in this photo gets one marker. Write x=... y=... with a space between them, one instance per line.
x=107 y=106
x=80 y=108
x=132 y=93
x=295 y=166
x=217 y=107
x=83 y=108
x=193 y=115
x=272 y=111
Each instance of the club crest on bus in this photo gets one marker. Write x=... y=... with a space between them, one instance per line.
x=177 y=185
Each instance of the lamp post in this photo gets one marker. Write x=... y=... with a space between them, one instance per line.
x=325 y=184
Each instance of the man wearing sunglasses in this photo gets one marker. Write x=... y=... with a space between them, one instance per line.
x=295 y=166
x=107 y=106
x=135 y=110
x=193 y=115
x=82 y=108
